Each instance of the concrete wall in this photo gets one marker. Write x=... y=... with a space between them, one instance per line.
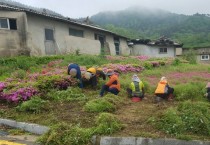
x=125 y=50
x=13 y=42
x=202 y=61
x=152 y=51
x=84 y=45
x=65 y=43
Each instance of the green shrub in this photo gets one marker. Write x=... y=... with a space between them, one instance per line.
x=189 y=91
x=107 y=124
x=64 y=134
x=19 y=74
x=170 y=122
x=189 y=117
x=71 y=94
x=148 y=65
x=196 y=116
x=46 y=83
x=190 y=56
x=99 y=105
x=176 y=61
x=36 y=105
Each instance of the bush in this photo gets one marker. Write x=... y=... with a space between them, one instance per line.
x=36 y=105
x=190 y=91
x=189 y=117
x=176 y=62
x=64 y=134
x=170 y=122
x=107 y=124
x=99 y=105
x=196 y=117
x=148 y=65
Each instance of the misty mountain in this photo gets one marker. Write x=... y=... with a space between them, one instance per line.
x=139 y=22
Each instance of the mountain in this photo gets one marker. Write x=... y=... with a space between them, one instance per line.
x=139 y=22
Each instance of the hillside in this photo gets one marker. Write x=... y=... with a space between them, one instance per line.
x=138 y=22
x=40 y=91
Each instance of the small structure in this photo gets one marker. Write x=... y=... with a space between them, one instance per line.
x=163 y=47
x=203 y=54
x=38 y=32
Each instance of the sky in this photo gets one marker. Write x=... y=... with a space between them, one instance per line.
x=84 y=8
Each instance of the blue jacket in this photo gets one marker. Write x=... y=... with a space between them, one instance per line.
x=78 y=75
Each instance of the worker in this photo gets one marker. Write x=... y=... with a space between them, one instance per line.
x=163 y=90
x=136 y=88
x=113 y=85
x=75 y=72
x=92 y=76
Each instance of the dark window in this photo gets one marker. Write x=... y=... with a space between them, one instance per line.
x=163 y=50
x=75 y=32
x=4 y=23
x=49 y=34
x=117 y=45
x=13 y=24
x=204 y=57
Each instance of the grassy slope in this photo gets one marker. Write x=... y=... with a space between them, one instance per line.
x=135 y=116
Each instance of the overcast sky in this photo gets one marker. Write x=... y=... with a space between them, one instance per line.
x=84 y=8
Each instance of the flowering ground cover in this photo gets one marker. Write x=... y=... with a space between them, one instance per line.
x=64 y=103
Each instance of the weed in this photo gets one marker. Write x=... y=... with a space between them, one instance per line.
x=71 y=94
x=107 y=124
x=36 y=105
x=171 y=122
x=19 y=74
x=99 y=105
x=64 y=134
x=189 y=91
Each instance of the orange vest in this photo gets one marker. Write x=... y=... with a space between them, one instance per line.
x=113 y=79
x=161 y=87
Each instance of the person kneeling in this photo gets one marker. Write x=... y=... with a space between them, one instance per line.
x=112 y=86
x=136 y=88
x=163 y=90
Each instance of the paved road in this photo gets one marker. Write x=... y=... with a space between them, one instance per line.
x=18 y=140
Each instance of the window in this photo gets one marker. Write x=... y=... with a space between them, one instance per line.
x=163 y=50
x=4 y=23
x=10 y=24
x=13 y=24
x=49 y=34
x=204 y=57
x=75 y=32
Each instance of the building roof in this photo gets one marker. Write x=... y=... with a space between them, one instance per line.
x=15 y=6
x=162 y=41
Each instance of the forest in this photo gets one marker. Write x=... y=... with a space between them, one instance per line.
x=136 y=22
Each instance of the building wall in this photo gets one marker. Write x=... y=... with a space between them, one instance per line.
x=85 y=46
x=125 y=50
x=13 y=42
x=65 y=43
x=152 y=51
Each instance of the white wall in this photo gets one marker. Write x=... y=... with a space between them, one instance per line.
x=85 y=46
x=152 y=51
x=36 y=34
